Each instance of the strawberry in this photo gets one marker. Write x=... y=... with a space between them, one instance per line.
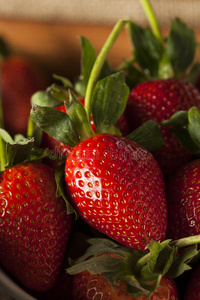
x=164 y=64
x=159 y=100
x=91 y=286
x=193 y=285
x=114 y=183
x=117 y=187
x=183 y=201
x=109 y=269
x=34 y=225
x=20 y=78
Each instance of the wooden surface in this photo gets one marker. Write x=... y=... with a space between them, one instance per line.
x=56 y=45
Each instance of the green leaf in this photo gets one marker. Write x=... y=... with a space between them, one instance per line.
x=193 y=74
x=148 y=50
x=181 y=46
x=179 y=118
x=100 y=246
x=43 y=98
x=183 y=135
x=180 y=264
x=78 y=116
x=19 y=152
x=134 y=76
x=109 y=101
x=56 y=124
x=96 y=265
x=60 y=93
x=194 y=125
x=148 y=135
x=87 y=59
x=6 y=136
x=61 y=190
x=65 y=81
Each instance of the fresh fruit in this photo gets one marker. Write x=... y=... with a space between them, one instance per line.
x=183 y=201
x=91 y=286
x=164 y=64
x=34 y=225
x=114 y=183
x=193 y=286
x=115 y=270
x=117 y=187
x=20 y=78
x=159 y=100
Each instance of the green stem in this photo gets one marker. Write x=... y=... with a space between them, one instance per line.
x=2 y=143
x=152 y=19
x=187 y=241
x=99 y=63
x=180 y=243
x=30 y=128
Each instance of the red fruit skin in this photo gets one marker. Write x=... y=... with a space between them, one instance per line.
x=159 y=100
x=117 y=187
x=193 y=287
x=182 y=192
x=34 y=225
x=91 y=286
x=20 y=78
x=62 y=290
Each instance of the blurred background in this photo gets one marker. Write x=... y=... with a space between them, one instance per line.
x=47 y=31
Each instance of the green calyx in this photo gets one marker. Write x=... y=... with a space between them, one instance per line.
x=159 y=57
x=185 y=125
x=142 y=271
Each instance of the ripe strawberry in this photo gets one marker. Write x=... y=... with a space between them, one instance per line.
x=117 y=187
x=20 y=78
x=193 y=286
x=159 y=100
x=183 y=201
x=34 y=225
x=93 y=286
x=164 y=63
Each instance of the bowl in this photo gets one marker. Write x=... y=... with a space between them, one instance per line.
x=12 y=289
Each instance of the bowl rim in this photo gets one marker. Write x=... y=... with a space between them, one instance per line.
x=12 y=288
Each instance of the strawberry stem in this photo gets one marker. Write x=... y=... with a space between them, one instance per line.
x=30 y=128
x=99 y=63
x=152 y=19
x=187 y=241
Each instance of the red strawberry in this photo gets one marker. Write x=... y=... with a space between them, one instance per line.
x=117 y=187
x=193 y=286
x=20 y=78
x=183 y=201
x=62 y=289
x=159 y=100
x=93 y=286
x=34 y=225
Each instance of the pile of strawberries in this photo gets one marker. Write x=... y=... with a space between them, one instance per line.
x=100 y=197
